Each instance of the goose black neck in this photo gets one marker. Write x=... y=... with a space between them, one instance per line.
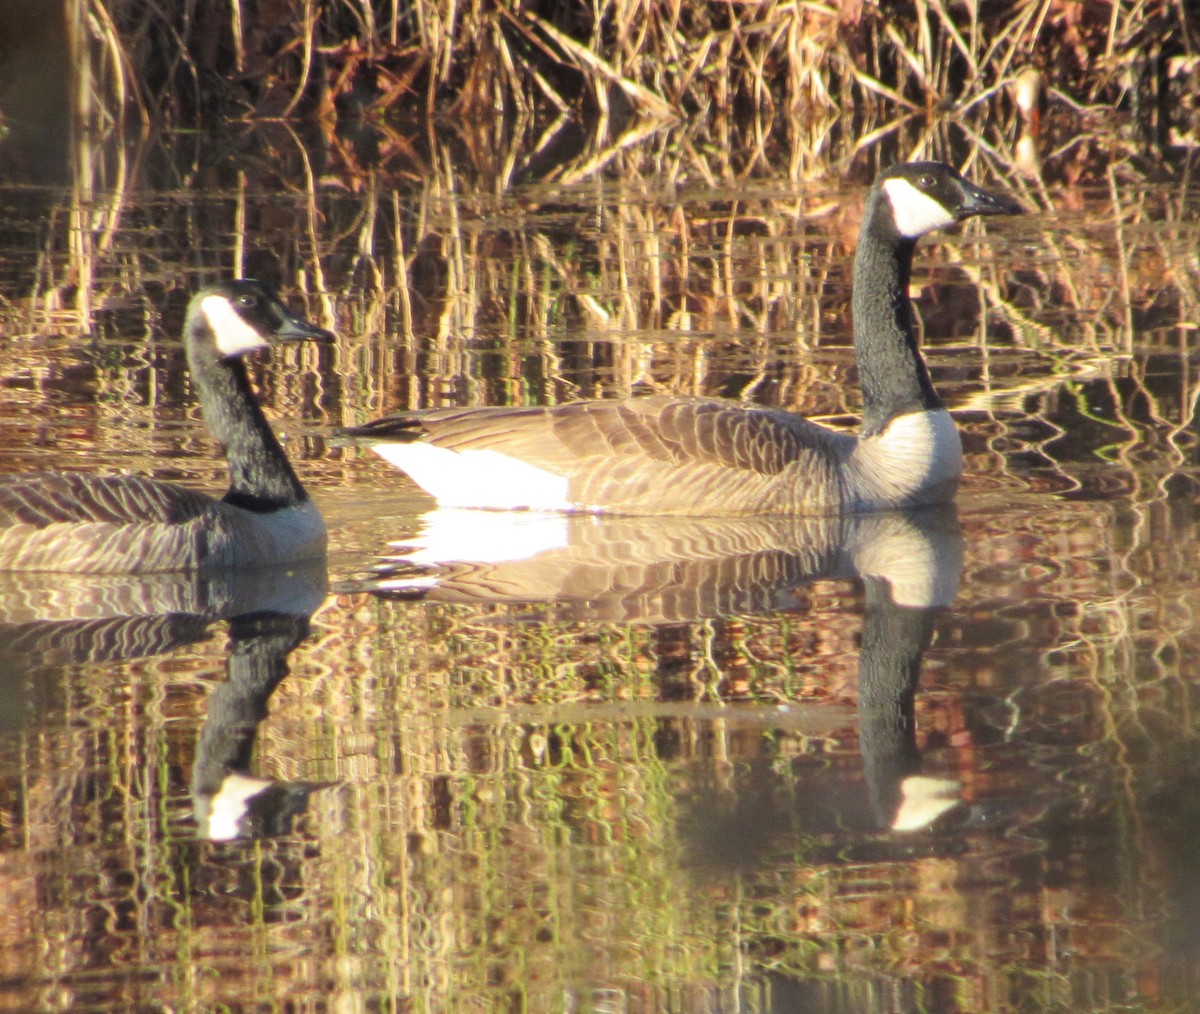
x=894 y=639
x=260 y=476
x=258 y=661
x=890 y=368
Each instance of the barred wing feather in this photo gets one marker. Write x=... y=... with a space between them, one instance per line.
x=78 y=522
x=656 y=454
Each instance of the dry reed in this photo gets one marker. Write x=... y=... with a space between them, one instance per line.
x=766 y=88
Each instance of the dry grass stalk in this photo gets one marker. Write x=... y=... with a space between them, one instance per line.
x=779 y=84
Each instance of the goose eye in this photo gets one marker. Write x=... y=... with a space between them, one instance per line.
x=925 y=182
x=247 y=301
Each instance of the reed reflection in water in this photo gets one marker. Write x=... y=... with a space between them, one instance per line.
x=674 y=570
x=599 y=749
x=677 y=794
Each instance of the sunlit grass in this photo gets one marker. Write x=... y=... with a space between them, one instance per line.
x=776 y=87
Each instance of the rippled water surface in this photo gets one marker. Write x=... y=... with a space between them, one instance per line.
x=946 y=761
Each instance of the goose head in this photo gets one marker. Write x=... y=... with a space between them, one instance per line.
x=238 y=317
x=924 y=196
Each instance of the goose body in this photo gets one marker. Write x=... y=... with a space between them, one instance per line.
x=674 y=455
x=128 y=524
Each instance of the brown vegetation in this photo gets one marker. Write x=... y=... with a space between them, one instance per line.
x=534 y=88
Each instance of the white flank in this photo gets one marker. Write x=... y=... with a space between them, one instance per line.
x=914 y=213
x=485 y=479
x=450 y=536
x=234 y=336
x=917 y=459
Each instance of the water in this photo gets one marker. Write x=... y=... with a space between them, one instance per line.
x=939 y=762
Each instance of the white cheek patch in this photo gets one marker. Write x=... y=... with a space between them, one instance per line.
x=230 y=805
x=234 y=336
x=914 y=213
x=923 y=800
x=486 y=479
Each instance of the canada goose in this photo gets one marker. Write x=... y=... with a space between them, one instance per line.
x=669 y=455
x=126 y=524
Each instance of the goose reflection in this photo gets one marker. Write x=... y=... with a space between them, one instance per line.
x=231 y=802
x=50 y=621
x=664 y=570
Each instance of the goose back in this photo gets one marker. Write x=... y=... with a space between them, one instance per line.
x=129 y=524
